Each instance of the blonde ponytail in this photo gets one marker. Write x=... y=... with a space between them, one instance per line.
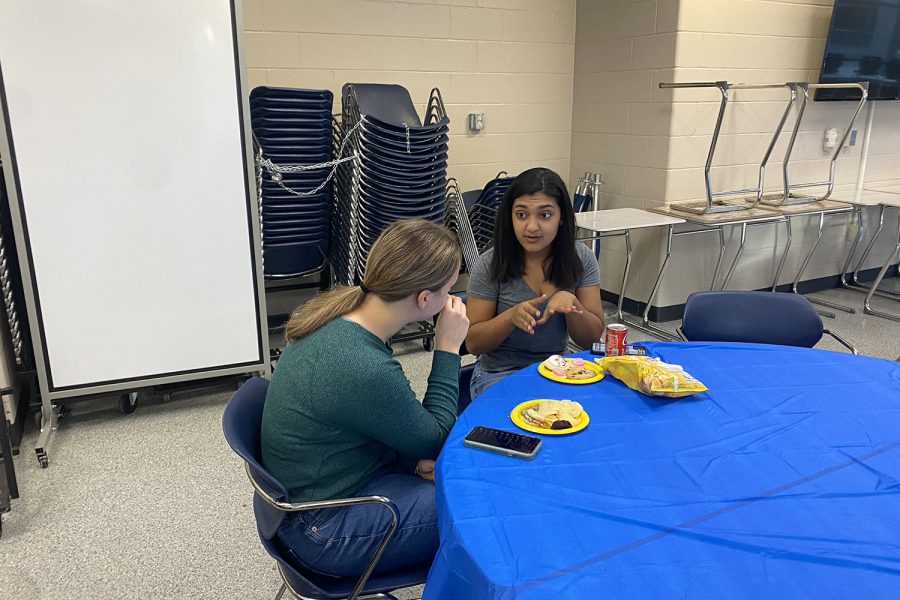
x=397 y=268
x=322 y=308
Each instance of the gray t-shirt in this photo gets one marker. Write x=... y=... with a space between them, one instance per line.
x=521 y=349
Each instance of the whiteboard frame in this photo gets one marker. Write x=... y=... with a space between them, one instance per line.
x=50 y=392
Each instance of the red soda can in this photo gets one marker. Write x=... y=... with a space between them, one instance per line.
x=616 y=335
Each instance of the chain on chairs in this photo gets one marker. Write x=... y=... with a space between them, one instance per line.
x=295 y=166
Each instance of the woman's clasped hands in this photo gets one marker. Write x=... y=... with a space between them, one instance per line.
x=527 y=315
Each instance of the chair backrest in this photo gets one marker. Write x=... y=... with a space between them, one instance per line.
x=241 y=424
x=390 y=103
x=783 y=319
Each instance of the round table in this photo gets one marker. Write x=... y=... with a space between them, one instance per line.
x=781 y=481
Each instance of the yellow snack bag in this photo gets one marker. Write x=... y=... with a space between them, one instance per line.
x=651 y=376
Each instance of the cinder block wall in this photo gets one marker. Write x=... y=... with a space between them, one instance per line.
x=510 y=59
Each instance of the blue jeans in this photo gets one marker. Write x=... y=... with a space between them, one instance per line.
x=341 y=542
x=482 y=380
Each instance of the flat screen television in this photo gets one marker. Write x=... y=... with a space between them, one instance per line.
x=863 y=45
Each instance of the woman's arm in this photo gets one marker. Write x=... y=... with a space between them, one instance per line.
x=387 y=409
x=588 y=325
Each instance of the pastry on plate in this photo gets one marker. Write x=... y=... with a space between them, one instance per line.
x=578 y=372
x=553 y=414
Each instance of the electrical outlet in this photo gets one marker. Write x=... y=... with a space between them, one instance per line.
x=852 y=138
x=476 y=121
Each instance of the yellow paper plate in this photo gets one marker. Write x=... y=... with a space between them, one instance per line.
x=516 y=416
x=587 y=364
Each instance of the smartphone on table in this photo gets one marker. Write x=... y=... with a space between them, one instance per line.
x=600 y=348
x=503 y=442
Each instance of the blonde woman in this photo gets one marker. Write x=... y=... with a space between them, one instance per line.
x=340 y=418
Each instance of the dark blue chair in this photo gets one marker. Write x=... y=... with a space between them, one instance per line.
x=783 y=319
x=241 y=425
x=465 y=395
x=465 y=371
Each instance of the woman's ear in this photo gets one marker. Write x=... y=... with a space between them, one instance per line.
x=422 y=299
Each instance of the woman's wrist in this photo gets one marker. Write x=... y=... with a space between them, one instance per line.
x=445 y=347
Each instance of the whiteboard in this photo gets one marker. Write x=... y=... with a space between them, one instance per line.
x=126 y=128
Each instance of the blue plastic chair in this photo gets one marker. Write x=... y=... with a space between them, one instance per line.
x=241 y=425
x=465 y=394
x=783 y=319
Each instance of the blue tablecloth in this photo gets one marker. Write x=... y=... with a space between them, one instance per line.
x=781 y=481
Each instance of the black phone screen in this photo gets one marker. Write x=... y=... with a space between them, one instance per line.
x=503 y=439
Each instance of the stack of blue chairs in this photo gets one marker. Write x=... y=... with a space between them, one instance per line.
x=483 y=212
x=400 y=171
x=294 y=127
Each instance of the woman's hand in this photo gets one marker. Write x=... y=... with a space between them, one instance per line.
x=561 y=302
x=525 y=314
x=452 y=326
x=425 y=469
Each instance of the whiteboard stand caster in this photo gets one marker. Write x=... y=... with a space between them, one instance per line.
x=49 y=421
x=128 y=402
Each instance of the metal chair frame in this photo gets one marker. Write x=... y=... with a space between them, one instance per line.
x=457 y=220
x=713 y=202
x=856 y=285
x=801 y=92
x=895 y=253
x=296 y=507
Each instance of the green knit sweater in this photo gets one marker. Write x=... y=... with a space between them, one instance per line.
x=340 y=412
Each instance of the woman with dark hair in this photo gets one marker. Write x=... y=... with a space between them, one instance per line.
x=535 y=287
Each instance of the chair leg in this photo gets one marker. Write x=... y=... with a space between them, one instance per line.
x=841 y=341
x=281 y=591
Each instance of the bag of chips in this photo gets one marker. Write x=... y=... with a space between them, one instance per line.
x=651 y=376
